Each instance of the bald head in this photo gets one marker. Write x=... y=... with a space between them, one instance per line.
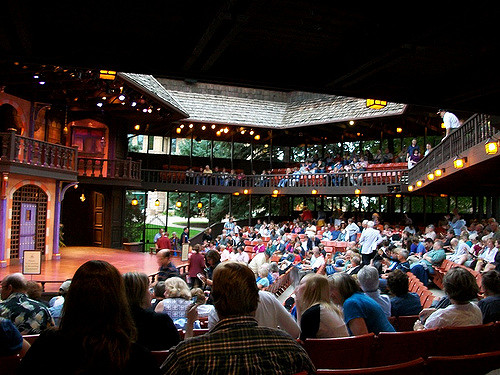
x=13 y=283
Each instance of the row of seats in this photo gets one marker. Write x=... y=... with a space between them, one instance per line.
x=445 y=266
x=389 y=348
x=416 y=286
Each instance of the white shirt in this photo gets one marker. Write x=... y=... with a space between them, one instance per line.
x=243 y=257
x=270 y=313
x=489 y=254
x=351 y=229
x=450 y=121
x=455 y=316
x=369 y=240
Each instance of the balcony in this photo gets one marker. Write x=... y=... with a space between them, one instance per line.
x=31 y=157
x=121 y=172
x=377 y=181
x=466 y=143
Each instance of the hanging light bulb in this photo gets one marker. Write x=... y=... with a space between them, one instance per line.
x=157 y=202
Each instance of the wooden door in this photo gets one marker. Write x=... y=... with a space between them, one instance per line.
x=27 y=228
x=98 y=224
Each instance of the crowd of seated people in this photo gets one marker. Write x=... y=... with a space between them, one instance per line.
x=350 y=290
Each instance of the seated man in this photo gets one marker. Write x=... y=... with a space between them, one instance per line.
x=403 y=303
x=167 y=269
x=29 y=316
x=424 y=267
x=236 y=344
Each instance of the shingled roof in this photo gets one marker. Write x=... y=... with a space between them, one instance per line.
x=241 y=106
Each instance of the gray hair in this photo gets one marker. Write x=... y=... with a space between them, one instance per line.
x=368 y=278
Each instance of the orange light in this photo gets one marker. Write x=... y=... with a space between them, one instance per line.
x=157 y=203
x=276 y=192
x=178 y=130
x=491 y=147
x=443 y=126
x=459 y=163
x=245 y=191
x=438 y=172
x=199 y=205
x=430 y=176
x=398 y=195
x=178 y=204
x=399 y=130
x=314 y=191
x=257 y=137
x=134 y=202
x=236 y=193
x=357 y=191
x=137 y=127
x=107 y=74
x=420 y=183
x=410 y=187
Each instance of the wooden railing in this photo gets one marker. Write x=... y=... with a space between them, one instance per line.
x=475 y=130
x=359 y=178
x=126 y=169
x=29 y=151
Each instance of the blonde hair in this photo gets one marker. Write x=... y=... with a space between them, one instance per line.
x=317 y=291
x=175 y=287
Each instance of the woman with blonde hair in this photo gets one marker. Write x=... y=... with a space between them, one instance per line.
x=176 y=302
x=317 y=316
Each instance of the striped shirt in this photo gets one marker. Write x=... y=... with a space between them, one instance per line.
x=239 y=346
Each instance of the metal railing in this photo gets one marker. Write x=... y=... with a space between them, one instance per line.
x=126 y=169
x=32 y=152
x=475 y=130
x=358 y=178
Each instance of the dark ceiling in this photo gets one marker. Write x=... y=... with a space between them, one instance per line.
x=430 y=55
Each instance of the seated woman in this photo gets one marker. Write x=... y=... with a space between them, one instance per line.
x=362 y=314
x=316 y=314
x=96 y=334
x=403 y=303
x=154 y=331
x=490 y=305
x=176 y=302
x=461 y=287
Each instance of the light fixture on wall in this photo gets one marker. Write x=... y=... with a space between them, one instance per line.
x=459 y=162
x=431 y=176
x=82 y=197
x=314 y=192
x=491 y=146
x=157 y=202
x=399 y=130
x=420 y=183
x=199 y=205
x=134 y=202
x=357 y=191
x=410 y=188
x=439 y=172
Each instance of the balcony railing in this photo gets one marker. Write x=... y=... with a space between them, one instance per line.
x=25 y=151
x=475 y=130
x=360 y=178
x=126 y=169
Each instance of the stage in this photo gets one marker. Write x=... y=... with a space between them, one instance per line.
x=72 y=257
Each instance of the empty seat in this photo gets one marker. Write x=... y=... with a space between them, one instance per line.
x=415 y=367
x=480 y=363
x=465 y=340
x=344 y=352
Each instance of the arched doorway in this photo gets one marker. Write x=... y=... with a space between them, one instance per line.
x=29 y=221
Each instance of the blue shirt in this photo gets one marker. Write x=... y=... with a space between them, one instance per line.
x=408 y=304
x=360 y=305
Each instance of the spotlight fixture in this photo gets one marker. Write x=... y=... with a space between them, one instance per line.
x=375 y=103
x=491 y=146
x=459 y=162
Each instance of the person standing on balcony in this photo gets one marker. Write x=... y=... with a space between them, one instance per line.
x=450 y=121
x=410 y=152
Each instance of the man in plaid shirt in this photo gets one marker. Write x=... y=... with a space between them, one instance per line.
x=236 y=344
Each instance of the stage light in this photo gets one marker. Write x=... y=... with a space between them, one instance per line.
x=375 y=103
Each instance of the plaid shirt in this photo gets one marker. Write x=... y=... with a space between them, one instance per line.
x=239 y=346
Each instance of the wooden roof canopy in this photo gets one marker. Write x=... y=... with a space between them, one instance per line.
x=427 y=57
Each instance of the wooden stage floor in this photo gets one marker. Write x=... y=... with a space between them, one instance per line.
x=73 y=257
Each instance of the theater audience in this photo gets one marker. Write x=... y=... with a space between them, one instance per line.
x=97 y=333
x=361 y=313
x=29 y=316
x=317 y=315
x=423 y=268
x=461 y=287
x=154 y=331
x=403 y=303
x=260 y=350
x=490 y=305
